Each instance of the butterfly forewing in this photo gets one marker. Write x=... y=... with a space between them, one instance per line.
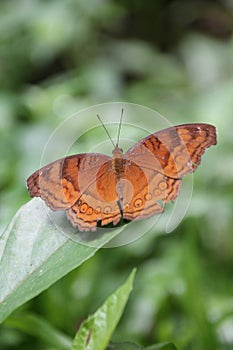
x=174 y=151
x=61 y=183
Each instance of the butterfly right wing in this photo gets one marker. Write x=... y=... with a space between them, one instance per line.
x=175 y=151
x=158 y=163
x=145 y=191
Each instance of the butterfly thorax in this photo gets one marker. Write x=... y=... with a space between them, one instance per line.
x=118 y=162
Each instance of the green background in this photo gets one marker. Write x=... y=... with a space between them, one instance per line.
x=57 y=57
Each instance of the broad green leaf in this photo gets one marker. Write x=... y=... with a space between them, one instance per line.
x=34 y=254
x=41 y=329
x=96 y=331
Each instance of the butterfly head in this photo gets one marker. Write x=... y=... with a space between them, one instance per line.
x=117 y=152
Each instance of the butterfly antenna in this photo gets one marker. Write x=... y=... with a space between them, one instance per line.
x=119 y=129
x=106 y=130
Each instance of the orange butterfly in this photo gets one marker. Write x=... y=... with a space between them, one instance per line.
x=94 y=188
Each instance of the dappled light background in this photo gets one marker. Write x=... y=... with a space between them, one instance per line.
x=175 y=57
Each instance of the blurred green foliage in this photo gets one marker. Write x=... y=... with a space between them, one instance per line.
x=57 y=57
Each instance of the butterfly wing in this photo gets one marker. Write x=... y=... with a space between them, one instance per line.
x=174 y=151
x=145 y=191
x=98 y=203
x=158 y=163
x=82 y=184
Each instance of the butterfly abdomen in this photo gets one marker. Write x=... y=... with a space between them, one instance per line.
x=118 y=166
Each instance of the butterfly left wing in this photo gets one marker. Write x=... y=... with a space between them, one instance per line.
x=175 y=151
x=61 y=183
x=98 y=203
x=82 y=184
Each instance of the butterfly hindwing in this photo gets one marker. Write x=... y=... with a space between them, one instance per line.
x=98 y=203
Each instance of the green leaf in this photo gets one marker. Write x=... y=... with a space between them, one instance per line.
x=96 y=331
x=41 y=329
x=34 y=254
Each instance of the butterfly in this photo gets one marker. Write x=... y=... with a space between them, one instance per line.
x=95 y=189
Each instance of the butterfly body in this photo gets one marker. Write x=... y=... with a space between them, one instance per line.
x=118 y=164
x=95 y=188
